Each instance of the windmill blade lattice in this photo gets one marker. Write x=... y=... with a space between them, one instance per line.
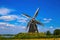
x=36 y=13
x=26 y=15
x=39 y=23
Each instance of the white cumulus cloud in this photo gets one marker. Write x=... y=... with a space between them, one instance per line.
x=9 y=17
x=2 y=24
x=3 y=27
x=22 y=19
x=51 y=26
x=13 y=17
x=4 y=11
x=22 y=27
x=47 y=20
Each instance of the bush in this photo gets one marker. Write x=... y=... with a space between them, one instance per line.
x=56 y=32
x=48 y=33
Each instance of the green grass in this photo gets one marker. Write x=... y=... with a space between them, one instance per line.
x=31 y=36
x=34 y=35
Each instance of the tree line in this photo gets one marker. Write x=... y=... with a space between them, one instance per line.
x=56 y=32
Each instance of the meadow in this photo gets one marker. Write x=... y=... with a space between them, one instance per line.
x=34 y=39
x=31 y=36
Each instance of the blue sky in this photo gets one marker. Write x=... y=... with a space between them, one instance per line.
x=12 y=21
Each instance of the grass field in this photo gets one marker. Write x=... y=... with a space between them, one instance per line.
x=31 y=36
x=43 y=39
x=34 y=39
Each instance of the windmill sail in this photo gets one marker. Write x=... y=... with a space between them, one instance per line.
x=28 y=25
x=36 y=13
x=26 y=15
x=38 y=22
x=32 y=23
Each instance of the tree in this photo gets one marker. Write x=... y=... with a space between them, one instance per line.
x=56 y=32
x=48 y=33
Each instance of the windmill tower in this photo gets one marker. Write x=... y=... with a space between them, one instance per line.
x=32 y=24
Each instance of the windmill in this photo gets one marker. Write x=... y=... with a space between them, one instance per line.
x=32 y=24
